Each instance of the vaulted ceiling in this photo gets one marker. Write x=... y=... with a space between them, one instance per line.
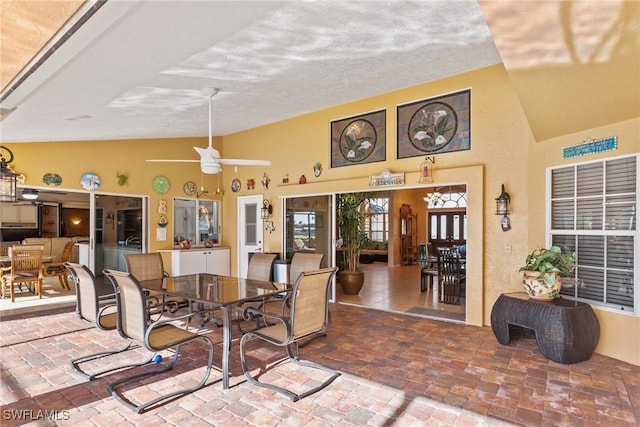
x=132 y=69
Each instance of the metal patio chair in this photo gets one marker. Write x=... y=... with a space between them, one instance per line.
x=308 y=317
x=155 y=336
x=99 y=310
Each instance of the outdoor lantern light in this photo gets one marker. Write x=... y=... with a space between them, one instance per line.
x=266 y=210
x=8 y=178
x=502 y=208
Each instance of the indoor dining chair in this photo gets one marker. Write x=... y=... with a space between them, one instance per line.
x=156 y=336
x=308 y=317
x=451 y=277
x=428 y=268
x=57 y=269
x=26 y=268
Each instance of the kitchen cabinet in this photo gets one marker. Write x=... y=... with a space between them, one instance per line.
x=24 y=214
x=201 y=260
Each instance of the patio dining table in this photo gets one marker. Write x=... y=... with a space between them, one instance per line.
x=224 y=292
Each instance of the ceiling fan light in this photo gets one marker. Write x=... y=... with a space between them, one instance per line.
x=210 y=167
x=29 y=194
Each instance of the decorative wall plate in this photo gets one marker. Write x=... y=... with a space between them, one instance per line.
x=90 y=181
x=189 y=188
x=160 y=184
x=235 y=185
x=52 y=179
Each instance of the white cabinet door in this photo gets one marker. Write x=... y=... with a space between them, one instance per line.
x=19 y=213
x=218 y=262
x=28 y=214
x=213 y=261
x=189 y=262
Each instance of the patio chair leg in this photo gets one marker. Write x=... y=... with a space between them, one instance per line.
x=89 y=357
x=293 y=358
x=143 y=406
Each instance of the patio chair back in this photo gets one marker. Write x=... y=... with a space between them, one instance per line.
x=303 y=261
x=145 y=266
x=87 y=298
x=132 y=310
x=260 y=267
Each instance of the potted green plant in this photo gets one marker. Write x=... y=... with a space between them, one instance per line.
x=543 y=269
x=350 y=221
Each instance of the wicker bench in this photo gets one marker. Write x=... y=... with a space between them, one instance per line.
x=566 y=331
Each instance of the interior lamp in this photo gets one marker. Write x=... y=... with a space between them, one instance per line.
x=8 y=178
x=29 y=194
x=502 y=208
x=266 y=210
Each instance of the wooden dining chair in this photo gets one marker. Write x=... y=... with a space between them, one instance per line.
x=428 y=269
x=308 y=317
x=26 y=268
x=57 y=269
x=451 y=277
x=156 y=336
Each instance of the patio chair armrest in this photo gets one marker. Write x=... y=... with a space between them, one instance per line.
x=167 y=320
x=104 y=308
x=249 y=312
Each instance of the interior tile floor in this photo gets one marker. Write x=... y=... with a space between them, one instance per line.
x=397 y=370
x=397 y=289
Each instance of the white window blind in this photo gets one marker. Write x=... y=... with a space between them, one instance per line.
x=593 y=212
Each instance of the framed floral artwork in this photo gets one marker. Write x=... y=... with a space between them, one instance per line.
x=359 y=139
x=434 y=125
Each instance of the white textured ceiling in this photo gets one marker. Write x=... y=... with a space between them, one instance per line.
x=141 y=69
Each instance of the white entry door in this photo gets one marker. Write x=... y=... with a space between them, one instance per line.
x=249 y=230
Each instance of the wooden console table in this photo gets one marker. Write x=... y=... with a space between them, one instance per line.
x=566 y=331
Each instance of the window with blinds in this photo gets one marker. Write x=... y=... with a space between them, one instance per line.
x=592 y=211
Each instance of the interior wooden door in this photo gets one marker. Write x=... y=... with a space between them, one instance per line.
x=447 y=228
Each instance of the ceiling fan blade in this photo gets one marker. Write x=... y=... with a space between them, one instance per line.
x=245 y=162
x=173 y=160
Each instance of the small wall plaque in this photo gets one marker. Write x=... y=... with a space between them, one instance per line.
x=590 y=147
x=386 y=178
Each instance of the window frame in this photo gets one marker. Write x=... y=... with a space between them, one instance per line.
x=579 y=230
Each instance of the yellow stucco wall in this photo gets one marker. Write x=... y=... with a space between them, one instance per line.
x=619 y=333
x=502 y=152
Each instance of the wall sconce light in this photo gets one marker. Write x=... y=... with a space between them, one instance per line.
x=502 y=208
x=76 y=221
x=266 y=210
x=109 y=217
x=8 y=178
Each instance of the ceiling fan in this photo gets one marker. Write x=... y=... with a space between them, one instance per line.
x=210 y=161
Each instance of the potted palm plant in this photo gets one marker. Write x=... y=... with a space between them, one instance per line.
x=350 y=221
x=543 y=269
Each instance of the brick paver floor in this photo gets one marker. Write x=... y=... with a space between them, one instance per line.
x=396 y=370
